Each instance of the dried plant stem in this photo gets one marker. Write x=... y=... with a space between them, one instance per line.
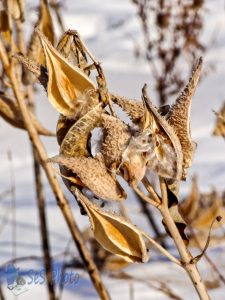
x=43 y=224
x=146 y=198
x=38 y=181
x=186 y=257
x=161 y=249
x=150 y=189
x=208 y=259
x=147 y=212
x=61 y=200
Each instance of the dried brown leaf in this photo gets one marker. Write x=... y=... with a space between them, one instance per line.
x=115 y=234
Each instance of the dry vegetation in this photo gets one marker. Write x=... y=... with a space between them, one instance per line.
x=158 y=141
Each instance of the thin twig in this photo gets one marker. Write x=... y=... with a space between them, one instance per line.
x=150 y=189
x=147 y=212
x=144 y=197
x=208 y=259
x=161 y=249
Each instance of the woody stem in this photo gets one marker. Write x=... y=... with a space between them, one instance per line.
x=185 y=255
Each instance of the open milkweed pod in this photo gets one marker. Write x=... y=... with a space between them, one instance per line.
x=179 y=118
x=155 y=147
x=67 y=84
x=158 y=143
x=94 y=175
x=134 y=162
x=74 y=142
x=115 y=234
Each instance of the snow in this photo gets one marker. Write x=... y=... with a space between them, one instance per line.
x=126 y=76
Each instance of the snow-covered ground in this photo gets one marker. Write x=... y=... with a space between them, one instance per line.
x=96 y=22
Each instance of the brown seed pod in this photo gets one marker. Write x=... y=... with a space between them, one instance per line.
x=115 y=234
x=75 y=141
x=155 y=147
x=68 y=86
x=134 y=108
x=179 y=118
x=94 y=175
x=116 y=135
x=62 y=127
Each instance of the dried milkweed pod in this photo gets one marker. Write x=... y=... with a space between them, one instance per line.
x=74 y=143
x=134 y=161
x=70 y=46
x=104 y=259
x=179 y=118
x=157 y=144
x=35 y=51
x=62 y=127
x=68 y=86
x=10 y=112
x=114 y=233
x=134 y=108
x=94 y=175
x=116 y=135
